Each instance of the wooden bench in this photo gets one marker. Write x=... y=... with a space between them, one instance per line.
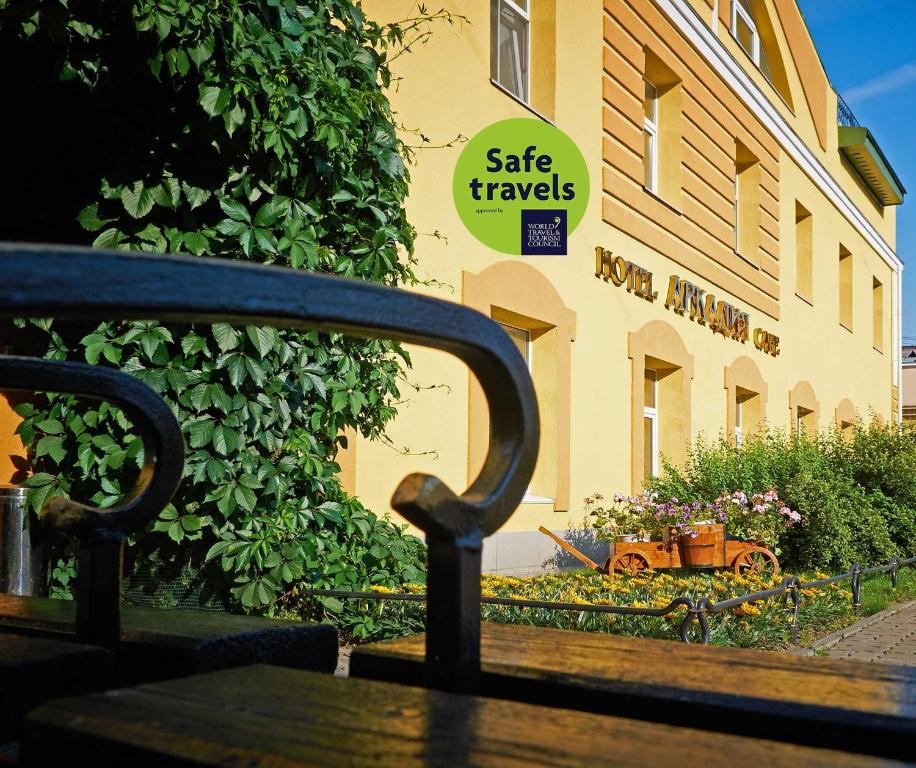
x=35 y=669
x=157 y=644
x=269 y=716
x=816 y=701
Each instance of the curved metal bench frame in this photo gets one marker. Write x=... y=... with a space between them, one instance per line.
x=42 y=281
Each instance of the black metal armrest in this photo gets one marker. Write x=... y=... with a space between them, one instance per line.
x=101 y=532
x=43 y=281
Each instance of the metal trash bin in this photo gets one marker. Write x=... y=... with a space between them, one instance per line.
x=22 y=567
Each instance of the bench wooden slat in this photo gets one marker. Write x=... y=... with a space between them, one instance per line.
x=815 y=701
x=270 y=716
x=33 y=670
x=157 y=644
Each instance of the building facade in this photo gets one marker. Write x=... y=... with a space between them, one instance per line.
x=735 y=265
x=724 y=167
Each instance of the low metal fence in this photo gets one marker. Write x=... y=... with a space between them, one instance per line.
x=698 y=611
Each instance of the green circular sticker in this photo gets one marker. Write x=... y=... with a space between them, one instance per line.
x=521 y=187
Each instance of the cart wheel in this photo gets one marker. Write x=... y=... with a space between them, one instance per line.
x=757 y=560
x=627 y=562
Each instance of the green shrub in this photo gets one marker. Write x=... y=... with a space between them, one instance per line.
x=256 y=130
x=856 y=494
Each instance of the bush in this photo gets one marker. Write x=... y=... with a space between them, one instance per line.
x=856 y=494
x=258 y=131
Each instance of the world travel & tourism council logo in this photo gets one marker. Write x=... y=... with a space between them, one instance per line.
x=521 y=187
x=544 y=232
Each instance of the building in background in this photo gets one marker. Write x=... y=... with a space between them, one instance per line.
x=908 y=383
x=722 y=161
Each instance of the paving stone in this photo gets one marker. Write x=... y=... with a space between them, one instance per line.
x=891 y=640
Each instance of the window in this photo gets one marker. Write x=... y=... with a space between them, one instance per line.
x=747 y=204
x=510 y=53
x=543 y=329
x=650 y=424
x=661 y=376
x=745 y=403
x=650 y=134
x=662 y=130
x=804 y=409
x=804 y=272
x=744 y=29
x=877 y=301
x=804 y=421
x=522 y=340
x=846 y=418
x=755 y=34
x=845 y=285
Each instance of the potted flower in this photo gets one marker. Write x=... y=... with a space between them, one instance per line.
x=759 y=518
x=693 y=527
x=625 y=519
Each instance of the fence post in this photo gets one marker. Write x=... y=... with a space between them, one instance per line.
x=894 y=572
x=793 y=596
x=856 y=587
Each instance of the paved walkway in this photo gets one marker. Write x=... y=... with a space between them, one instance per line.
x=889 y=637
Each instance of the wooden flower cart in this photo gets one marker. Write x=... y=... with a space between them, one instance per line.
x=708 y=549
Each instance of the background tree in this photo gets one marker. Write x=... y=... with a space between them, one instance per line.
x=244 y=129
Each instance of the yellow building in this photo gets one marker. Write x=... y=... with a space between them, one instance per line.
x=719 y=165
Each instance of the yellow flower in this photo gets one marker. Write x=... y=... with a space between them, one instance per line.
x=380 y=589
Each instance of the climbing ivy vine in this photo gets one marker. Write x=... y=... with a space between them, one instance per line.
x=254 y=130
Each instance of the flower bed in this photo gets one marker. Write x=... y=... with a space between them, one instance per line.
x=765 y=624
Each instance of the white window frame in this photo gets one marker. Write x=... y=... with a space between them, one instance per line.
x=651 y=413
x=526 y=16
x=740 y=10
x=738 y=431
x=737 y=209
x=650 y=126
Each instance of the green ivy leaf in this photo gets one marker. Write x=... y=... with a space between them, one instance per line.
x=51 y=426
x=137 y=200
x=235 y=210
x=110 y=238
x=225 y=440
x=53 y=446
x=262 y=338
x=245 y=497
x=227 y=337
x=214 y=99
x=90 y=220
x=201 y=432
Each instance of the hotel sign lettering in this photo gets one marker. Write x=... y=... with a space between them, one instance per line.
x=685 y=299
x=619 y=271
